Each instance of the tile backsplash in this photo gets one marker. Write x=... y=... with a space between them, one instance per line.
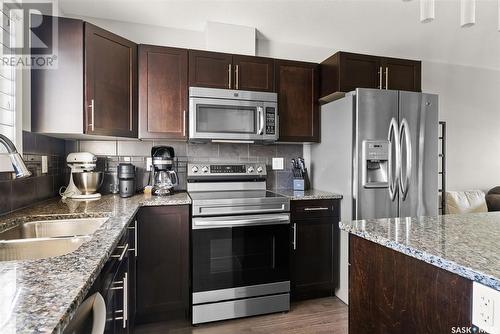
x=19 y=193
x=111 y=153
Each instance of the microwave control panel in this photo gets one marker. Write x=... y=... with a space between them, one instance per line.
x=270 y=120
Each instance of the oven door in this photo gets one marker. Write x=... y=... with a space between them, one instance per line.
x=238 y=251
x=230 y=120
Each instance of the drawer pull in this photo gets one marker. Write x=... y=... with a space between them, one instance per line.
x=124 y=251
x=316 y=209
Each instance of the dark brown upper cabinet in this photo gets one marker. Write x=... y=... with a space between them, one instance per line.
x=344 y=72
x=226 y=71
x=93 y=89
x=402 y=74
x=253 y=73
x=210 y=69
x=297 y=84
x=163 y=77
x=110 y=83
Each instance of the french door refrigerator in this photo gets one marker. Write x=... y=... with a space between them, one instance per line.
x=379 y=149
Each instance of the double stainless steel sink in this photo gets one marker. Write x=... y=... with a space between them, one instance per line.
x=46 y=238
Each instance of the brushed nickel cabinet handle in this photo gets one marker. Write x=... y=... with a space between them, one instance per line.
x=125 y=300
x=294 y=236
x=316 y=209
x=387 y=78
x=184 y=123
x=236 y=77
x=124 y=251
x=91 y=106
x=135 y=238
x=229 y=75
x=380 y=70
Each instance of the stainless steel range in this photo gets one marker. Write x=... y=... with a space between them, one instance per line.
x=240 y=242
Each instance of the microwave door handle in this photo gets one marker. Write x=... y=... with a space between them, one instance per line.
x=260 y=117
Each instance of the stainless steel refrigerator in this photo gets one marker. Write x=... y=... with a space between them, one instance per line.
x=379 y=149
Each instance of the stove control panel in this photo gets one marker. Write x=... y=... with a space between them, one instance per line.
x=230 y=169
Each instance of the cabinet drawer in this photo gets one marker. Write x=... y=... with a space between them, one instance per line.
x=304 y=209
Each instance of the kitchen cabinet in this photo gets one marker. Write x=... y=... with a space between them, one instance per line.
x=390 y=292
x=116 y=285
x=163 y=77
x=314 y=248
x=93 y=89
x=253 y=73
x=210 y=69
x=344 y=72
x=402 y=74
x=162 y=264
x=297 y=84
x=227 y=71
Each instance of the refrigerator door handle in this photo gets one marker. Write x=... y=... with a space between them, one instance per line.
x=393 y=133
x=404 y=134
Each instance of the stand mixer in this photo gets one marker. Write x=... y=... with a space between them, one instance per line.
x=83 y=180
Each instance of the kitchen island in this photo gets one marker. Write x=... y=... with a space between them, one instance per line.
x=415 y=275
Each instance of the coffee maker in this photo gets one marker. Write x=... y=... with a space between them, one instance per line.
x=164 y=178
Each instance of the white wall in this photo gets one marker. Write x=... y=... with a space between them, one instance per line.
x=469 y=102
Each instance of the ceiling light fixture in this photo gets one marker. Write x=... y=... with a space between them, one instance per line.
x=467 y=13
x=427 y=11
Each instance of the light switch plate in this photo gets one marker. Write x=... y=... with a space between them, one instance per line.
x=149 y=162
x=486 y=308
x=45 y=164
x=278 y=164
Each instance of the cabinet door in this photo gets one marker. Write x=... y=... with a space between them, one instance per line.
x=312 y=258
x=162 y=263
x=402 y=74
x=210 y=69
x=253 y=73
x=297 y=85
x=110 y=84
x=359 y=71
x=162 y=92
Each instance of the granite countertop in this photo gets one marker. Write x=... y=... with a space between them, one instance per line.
x=467 y=245
x=40 y=296
x=310 y=194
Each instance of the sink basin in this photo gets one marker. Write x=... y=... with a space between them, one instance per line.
x=53 y=228
x=61 y=228
x=31 y=249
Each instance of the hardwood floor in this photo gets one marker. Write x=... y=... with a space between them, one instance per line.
x=324 y=315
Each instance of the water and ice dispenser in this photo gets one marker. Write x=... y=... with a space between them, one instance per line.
x=375 y=163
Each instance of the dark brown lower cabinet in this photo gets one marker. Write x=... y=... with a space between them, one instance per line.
x=162 y=279
x=393 y=293
x=314 y=248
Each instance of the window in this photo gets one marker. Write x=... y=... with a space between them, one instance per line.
x=7 y=84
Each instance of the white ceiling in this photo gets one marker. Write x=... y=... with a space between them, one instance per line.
x=386 y=27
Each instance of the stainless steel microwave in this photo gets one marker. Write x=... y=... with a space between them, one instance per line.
x=224 y=115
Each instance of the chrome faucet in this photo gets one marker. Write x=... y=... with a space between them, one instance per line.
x=17 y=161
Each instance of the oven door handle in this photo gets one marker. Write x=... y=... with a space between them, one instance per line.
x=199 y=223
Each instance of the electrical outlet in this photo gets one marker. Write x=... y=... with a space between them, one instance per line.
x=278 y=164
x=149 y=162
x=45 y=164
x=126 y=159
x=486 y=308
